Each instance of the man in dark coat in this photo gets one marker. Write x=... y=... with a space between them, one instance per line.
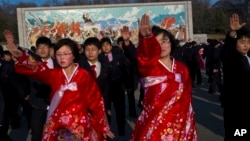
x=236 y=75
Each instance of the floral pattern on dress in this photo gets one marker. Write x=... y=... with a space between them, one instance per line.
x=73 y=132
x=167 y=105
x=79 y=113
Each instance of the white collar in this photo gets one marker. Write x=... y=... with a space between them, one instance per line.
x=50 y=63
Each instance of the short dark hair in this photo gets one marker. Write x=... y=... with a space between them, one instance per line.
x=120 y=39
x=71 y=44
x=43 y=40
x=52 y=45
x=105 y=40
x=6 y=52
x=33 y=48
x=243 y=32
x=92 y=41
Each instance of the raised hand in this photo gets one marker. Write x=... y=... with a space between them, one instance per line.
x=145 y=26
x=11 y=45
x=125 y=33
x=8 y=36
x=235 y=22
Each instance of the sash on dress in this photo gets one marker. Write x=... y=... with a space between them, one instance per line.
x=58 y=96
x=154 y=80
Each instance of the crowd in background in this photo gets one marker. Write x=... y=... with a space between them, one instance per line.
x=33 y=96
x=116 y=72
x=198 y=57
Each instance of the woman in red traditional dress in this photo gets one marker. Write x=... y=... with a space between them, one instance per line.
x=77 y=109
x=167 y=106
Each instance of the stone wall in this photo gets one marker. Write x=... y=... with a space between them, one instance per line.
x=200 y=38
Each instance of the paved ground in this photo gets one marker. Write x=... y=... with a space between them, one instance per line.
x=207 y=109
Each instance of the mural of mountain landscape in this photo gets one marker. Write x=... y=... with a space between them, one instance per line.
x=82 y=23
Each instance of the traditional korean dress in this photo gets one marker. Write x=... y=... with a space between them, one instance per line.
x=167 y=111
x=76 y=111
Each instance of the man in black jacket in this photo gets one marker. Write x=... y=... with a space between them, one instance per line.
x=39 y=92
x=129 y=51
x=236 y=75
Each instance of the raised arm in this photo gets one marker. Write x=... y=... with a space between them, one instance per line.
x=11 y=44
x=149 y=50
x=230 y=41
x=235 y=24
x=126 y=34
x=145 y=28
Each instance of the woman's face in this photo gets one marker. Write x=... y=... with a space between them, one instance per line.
x=64 y=56
x=165 y=45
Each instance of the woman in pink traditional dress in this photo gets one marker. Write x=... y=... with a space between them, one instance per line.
x=167 y=111
x=76 y=112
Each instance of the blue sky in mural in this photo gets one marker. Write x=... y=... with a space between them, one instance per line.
x=40 y=2
x=113 y=16
x=168 y=16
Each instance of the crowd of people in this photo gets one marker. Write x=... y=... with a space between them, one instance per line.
x=67 y=89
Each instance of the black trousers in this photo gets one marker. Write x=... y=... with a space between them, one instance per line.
x=141 y=97
x=131 y=103
x=27 y=111
x=38 y=119
x=215 y=83
x=117 y=97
